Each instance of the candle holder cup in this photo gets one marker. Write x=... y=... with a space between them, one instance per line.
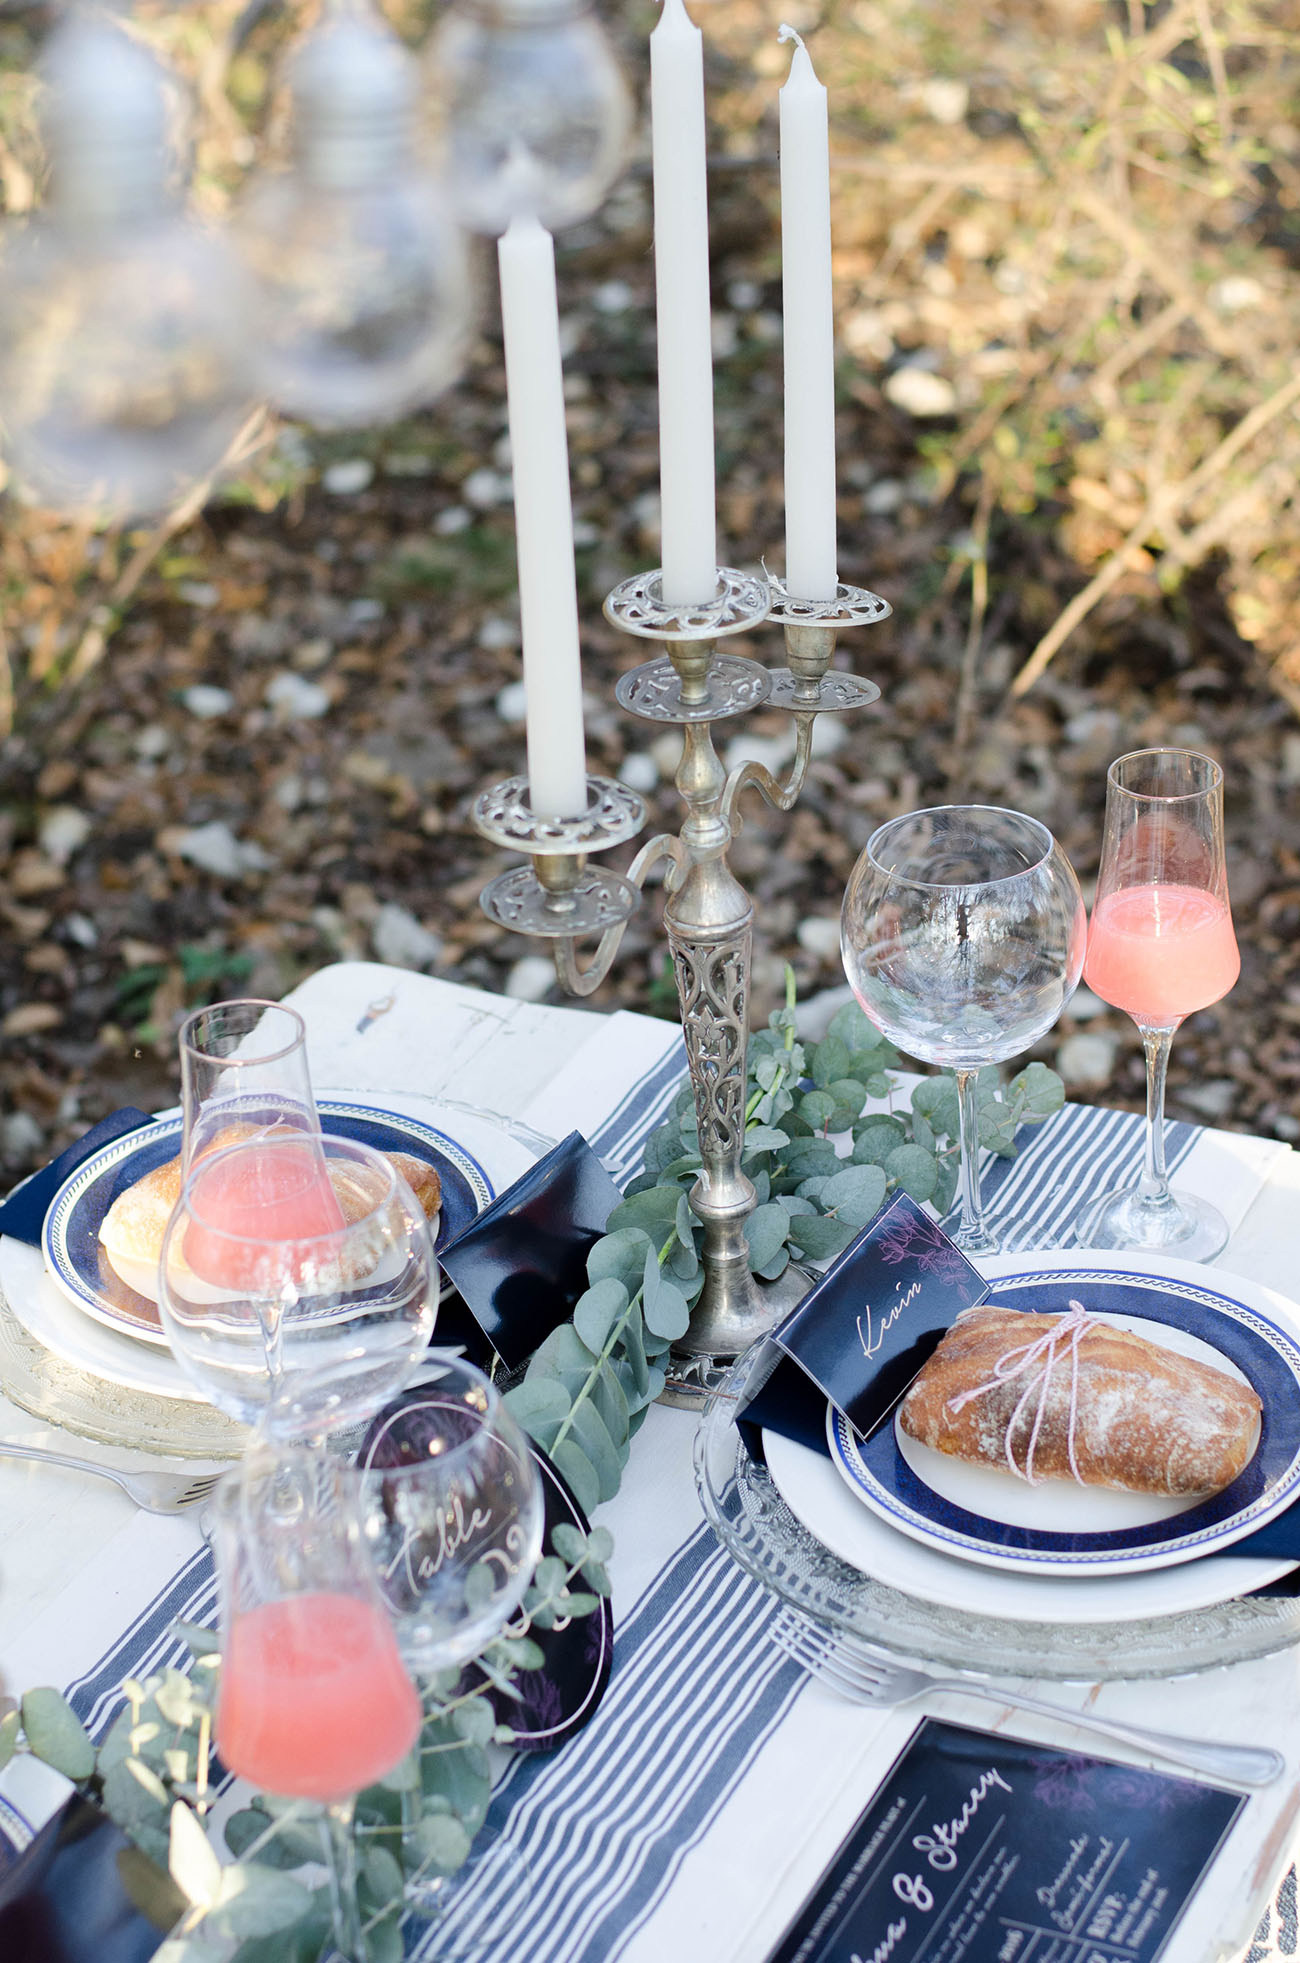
x=708 y=915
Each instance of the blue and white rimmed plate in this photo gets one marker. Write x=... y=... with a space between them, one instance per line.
x=74 y=1255
x=977 y=1514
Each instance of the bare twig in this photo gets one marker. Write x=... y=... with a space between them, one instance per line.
x=979 y=600
x=1165 y=505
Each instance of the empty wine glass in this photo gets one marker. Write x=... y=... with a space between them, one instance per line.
x=297 y=1282
x=963 y=934
x=314 y=1701
x=1160 y=946
x=453 y=1511
x=243 y=1070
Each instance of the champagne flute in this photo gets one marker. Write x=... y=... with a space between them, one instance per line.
x=962 y=934
x=297 y=1284
x=314 y=1701
x=243 y=1071
x=1160 y=946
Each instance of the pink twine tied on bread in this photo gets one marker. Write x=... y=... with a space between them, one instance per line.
x=1067 y=1331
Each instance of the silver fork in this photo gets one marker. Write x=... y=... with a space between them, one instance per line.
x=155 y=1492
x=867 y=1676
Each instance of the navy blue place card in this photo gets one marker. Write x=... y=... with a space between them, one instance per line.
x=864 y=1330
x=984 y=1849
x=522 y=1264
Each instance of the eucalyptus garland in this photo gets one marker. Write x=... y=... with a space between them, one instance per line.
x=829 y=1138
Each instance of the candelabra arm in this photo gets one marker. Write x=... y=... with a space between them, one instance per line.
x=757 y=776
x=585 y=981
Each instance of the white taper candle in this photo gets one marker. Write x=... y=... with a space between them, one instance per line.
x=539 y=450
x=686 y=487
x=810 y=561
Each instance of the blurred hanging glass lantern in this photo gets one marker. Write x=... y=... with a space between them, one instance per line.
x=362 y=303
x=122 y=376
x=528 y=94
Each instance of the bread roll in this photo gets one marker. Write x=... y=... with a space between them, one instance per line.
x=132 y=1230
x=1145 y=1420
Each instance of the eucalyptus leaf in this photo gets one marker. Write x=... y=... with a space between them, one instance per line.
x=667 y=1316
x=610 y=1399
x=653 y=1212
x=853 y=1195
x=473 y=1720
x=290 y=1842
x=935 y=1099
x=766 y=1231
x=540 y=1405
x=56 y=1734
x=915 y=1170
x=854 y=1029
x=876 y=1140
x=830 y=1059
x=10 y=1725
x=565 y=1356
x=820 y=1238
x=191 y=1861
x=817 y=1109
x=199 y=1641
x=577 y=1468
x=945 y=1186
x=776 y=1267
x=764 y=1138
x=382 y=1873
x=1042 y=1091
x=569 y=1542
x=257 y=1901
x=599 y=1311
x=620 y=1256
x=440 y=1844
x=591 y=1433
x=806 y=1158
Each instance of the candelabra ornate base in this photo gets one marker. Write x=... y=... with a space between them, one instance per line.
x=708 y=915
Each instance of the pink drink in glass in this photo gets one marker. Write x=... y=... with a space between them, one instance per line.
x=315 y=1701
x=250 y=1200
x=1160 y=952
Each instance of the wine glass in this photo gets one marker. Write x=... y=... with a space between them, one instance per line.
x=1160 y=946
x=243 y=1069
x=452 y=1506
x=962 y=934
x=297 y=1282
x=314 y=1701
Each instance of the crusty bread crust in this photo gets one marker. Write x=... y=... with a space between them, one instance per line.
x=1147 y=1420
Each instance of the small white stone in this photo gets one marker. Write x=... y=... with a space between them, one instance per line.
x=813 y=1017
x=288 y=793
x=207 y=702
x=1084 y=1006
x=498 y=632
x=401 y=940
x=198 y=592
x=1289 y=774
x=23 y=1137
x=215 y=849
x=946 y=101
x=613 y=296
x=585 y=534
x=667 y=753
x=454 y=519
x=64 y=830
x=1088 y=1058
x=920 y=393
x=865 y=333
x=639 y=771
x=744 y=295
x=830 y=733
x=725 y=332
x=1236 y=294
x=346 y=478
x=152 y=742
x=295 y=699
x=820 y=935
x=408 y=463
x=531 y=978
x=512 y=702
x=1212 y=1100
x=80 y=929
x=774 y=751
x=882 y=497
x=484 y=488
x=361 y=611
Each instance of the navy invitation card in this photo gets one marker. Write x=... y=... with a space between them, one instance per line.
x=984 y=1849
x=864 y=1330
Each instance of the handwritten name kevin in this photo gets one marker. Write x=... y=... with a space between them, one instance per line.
x=870 y=1337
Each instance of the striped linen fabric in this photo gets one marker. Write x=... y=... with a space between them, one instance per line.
x=697 y=1688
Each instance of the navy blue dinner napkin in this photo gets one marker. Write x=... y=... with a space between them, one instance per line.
x=23 y=1213
x=522 y=1264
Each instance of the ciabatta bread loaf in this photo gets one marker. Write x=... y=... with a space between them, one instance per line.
x=1109 y=1407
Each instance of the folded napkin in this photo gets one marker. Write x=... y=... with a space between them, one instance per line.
x=23 y=1214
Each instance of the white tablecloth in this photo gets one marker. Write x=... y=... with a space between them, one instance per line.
x=696 y=1812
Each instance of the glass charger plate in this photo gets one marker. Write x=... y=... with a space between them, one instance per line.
x=60 y=1393
x=764 y=1537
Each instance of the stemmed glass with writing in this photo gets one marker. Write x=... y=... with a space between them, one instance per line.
x=1160 y=946
x=451 y=1502
x=962 y=934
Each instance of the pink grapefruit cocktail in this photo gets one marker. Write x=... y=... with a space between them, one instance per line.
x=1161 y=951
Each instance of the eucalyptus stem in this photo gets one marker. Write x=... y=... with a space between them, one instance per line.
x=607 y=1349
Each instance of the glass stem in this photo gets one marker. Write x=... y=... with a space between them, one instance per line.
x=1157 y=1040
x=972 y=1213
x=341 y=1860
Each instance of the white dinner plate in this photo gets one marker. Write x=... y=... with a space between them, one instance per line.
x=985 y=1516
x=60 y=1325
x=816 y=1495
